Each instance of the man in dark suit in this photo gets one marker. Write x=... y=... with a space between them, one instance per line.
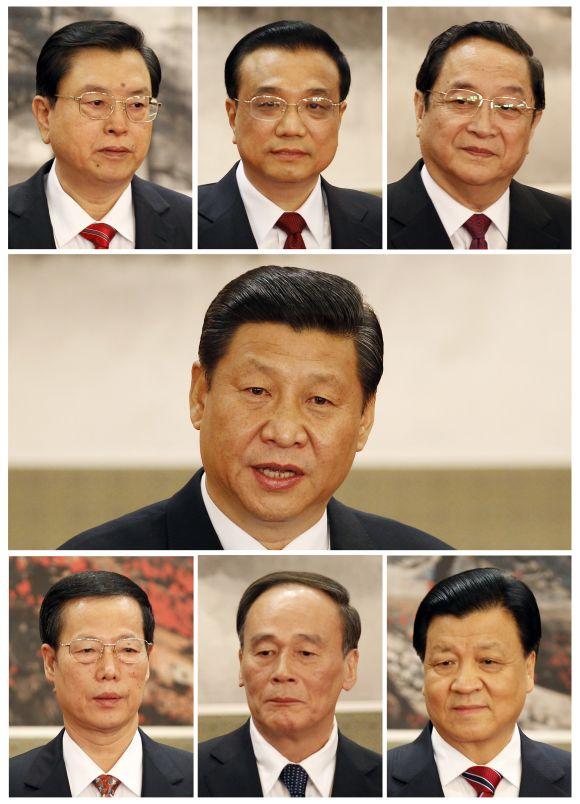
x=477 y=634
x=283 y=396
x=286 y=83
x=475 y=127
x=97 y=84
x=97 y=633
x=298 y=650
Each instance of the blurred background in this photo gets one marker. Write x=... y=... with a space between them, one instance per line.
x=357 y=31
x=471 y=440
x=167 y=30
x=547 y=30
x=547 y=713
x=222 y=580
x=167 y=710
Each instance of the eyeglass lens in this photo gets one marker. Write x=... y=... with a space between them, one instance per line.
x=100 y=105
x=268 y=107
x=463 y=101
x=87 y=651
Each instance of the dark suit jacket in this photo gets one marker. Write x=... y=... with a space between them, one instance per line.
x=227 y=767
x=182 y=523
x=355 y=218
x=167 y=772
x=412 y=772
x=163 y=218
x=538 y=220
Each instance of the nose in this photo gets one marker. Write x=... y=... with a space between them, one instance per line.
x=483 y=122
x=108 y=664
x=284 y=426
x=118 y=121
x=291 y=124
x=282 y=670
x=467 y=679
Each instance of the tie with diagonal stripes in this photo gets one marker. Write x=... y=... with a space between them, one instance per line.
x=106 y=785
x=484 y=780
x=99 y=234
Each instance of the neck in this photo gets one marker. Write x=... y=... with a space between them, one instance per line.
x=474 y=197
x=104 y=747
x=288 y=195
x=96 y=200
x=300 y=747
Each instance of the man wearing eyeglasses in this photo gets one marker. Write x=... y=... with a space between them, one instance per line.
x=286 y=83
x=97 y=634
x=479 y=98
x=95 y=105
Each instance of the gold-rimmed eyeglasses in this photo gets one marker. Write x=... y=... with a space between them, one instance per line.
x=88 y=650
x=101 y=105
x=270 y=107
x=466 y=102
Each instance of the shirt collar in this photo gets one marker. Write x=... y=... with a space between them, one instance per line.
x=451 y=763
x=82 y=770
x=271 y=762
x=232 y=537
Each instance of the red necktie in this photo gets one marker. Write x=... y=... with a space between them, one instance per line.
x=477 y=226
x=100 y=234
x=484 y=780
x=106 y=785
x=292 y=223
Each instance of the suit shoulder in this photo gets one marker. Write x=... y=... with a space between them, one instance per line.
x=551 y=201
x=365 y=755
x=206 y=749
x=144 y=529
x=173 y=197
x=384 y=531
x=19 y=770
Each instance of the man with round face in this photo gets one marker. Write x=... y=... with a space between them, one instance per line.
x=479 y=99
x=283 y=397
x=298 y=650
x=95 y=105
x=287 y=83
x=477 y=634
x=97 y=633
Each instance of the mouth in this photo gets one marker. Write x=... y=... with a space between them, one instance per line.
x=468 y=710
x=115 y=152
x=482 y=152
x=288 y=154
x=275 y=476
x=107 y=699
x=283 y=701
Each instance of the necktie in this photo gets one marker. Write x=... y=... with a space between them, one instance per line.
x=484 y=780
x=292 y=223
x=477 y=226
x=106 y=785
x=295 y=779
x=100 y=234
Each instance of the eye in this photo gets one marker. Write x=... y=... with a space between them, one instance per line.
x=489 y=662
x=321 y=401
x=307 y=653
x=266 y=652
x=255 y=390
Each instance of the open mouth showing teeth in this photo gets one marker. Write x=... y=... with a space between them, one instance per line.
x=277 y=474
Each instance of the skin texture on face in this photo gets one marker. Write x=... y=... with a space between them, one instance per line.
x=96 y=158
x=475 y=157
x=279 y=427
x=293 y=667
x=476 y=680
x=283 y=158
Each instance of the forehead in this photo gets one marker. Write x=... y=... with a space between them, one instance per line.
x=107 y=69
x=495 y=625
x=491 y=63
x=100 y=615
x=295 y=608
x=276 y=68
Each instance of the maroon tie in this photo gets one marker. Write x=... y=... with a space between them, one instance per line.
x=100 y=234
x=106 y=785
x=477 y=226
x=292 y=223
x=484 y=780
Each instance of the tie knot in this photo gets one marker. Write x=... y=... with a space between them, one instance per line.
x=295 y=778
x=477 y=225
x=106 y=785
x=99 y=234
x=291 y=222
x=484 y=780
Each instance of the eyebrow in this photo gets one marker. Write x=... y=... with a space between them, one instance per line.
x=515 y=88
x=444 y=647
x=317 y=377
x=314 y=638
x=99 y=88
x=270 y=90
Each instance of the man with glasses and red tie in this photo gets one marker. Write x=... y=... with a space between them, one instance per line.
x=479 y=99
x=96 y=101
x=286 y=84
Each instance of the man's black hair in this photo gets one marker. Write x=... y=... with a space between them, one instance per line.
x=290 y=35
x=87 y=585
x=479 y=590
x=336 y=591
x=499 y=32
x=58 y=50
x=302 y=299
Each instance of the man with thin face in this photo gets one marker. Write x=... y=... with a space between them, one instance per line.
x=283 y=397
x=96 y=101
x=298 y=650
x=286 y=86
x=97 y=638
x=479 y=98
x=478 y=635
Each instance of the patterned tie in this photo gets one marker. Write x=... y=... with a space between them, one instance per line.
x=484 y=780
x=295 y=779
x=100 y=234
x=106 y=785
x=477 y=226
x=292 y=223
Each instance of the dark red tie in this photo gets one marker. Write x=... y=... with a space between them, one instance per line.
x=106 y=785
x=477 y=226
x=484 y=780
x=100 y=234
x=292 y=223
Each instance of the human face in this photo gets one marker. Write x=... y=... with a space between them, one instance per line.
x=289 y=150
x=474 y=158
x=103 y=697
x=293 y=667
x=279 y=426
x=96 y=153
x=476 y=680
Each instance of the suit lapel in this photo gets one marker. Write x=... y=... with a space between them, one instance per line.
x=30 y=226
x=346 y=532
x=351 y=777
x=152 y=227
x=528 y=220
x=47 y=775
x=418 y=772
x=409 y=205
x=347 y=226
x=540 y=775
x=226 y=221
x=237 y=773
x=188 y=524
x=160 y=773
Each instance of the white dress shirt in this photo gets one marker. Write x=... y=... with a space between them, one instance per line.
x=232 y=537
x=81 y=770
x=451 y=764
x=68 y=218
x=319 y=766
x=263 y=214
x=453 y=215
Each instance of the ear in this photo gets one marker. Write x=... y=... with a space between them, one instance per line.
x=535 y=122
x=366 y=423
x=351 y=664
x=231 y=111
x=41 y=110
x=530 y=670
x=419 y=102
x=341 y=111
x=49 y=661
x=240 y=679
x=197 y=395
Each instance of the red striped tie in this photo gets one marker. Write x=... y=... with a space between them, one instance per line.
x=106 y=785
x=100 y=234
x=484 y=780
x=477 y=226
x=292 y=223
